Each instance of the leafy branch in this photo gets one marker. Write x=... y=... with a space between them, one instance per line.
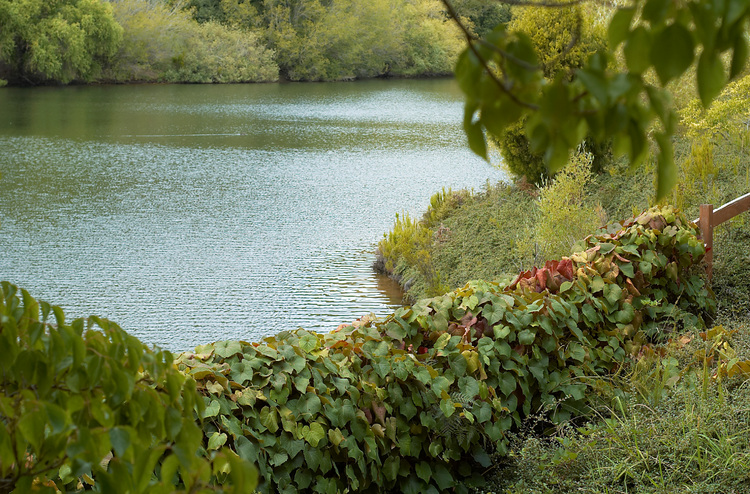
x=604 y=98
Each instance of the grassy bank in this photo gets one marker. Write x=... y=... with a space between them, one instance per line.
x=675 y=417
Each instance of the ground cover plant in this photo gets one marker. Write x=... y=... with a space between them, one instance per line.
x=418 y=402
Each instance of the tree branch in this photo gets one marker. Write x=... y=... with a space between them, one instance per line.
x=470 y=39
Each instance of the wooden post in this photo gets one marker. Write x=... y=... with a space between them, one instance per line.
x=705 y=223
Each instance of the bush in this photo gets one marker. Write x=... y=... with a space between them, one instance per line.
x=60 y=41
x=167 y=44
x=85 y=402
x=566 y=212
x=404 y=253
x=419 y=401
x=563 y=40
x=518 y=158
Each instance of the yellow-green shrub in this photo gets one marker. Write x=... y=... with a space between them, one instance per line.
x=566 y=212
x=563 y=39
x=165 y=43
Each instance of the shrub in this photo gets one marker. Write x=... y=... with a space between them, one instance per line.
x=563 y=40
x=404 y=253
x=517 y=155
x=85 y=401
x=418 y=401
x=566 y=212
x=163 y=43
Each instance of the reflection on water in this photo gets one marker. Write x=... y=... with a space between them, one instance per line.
x=390 y=289
x=190 y=214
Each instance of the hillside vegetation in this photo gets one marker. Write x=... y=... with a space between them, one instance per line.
x=673 y=417
x=204 y=41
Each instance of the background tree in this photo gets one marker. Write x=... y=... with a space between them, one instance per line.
x=60 y=40
x=563 y=39
x=504 y=81
x=165 y=43
x=345 y=39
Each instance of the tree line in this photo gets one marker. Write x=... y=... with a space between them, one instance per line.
x=204 y=41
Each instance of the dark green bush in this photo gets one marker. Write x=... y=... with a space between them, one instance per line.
x=517 y=154
x=416 y=403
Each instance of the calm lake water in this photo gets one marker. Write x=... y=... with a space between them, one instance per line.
x=190 y=214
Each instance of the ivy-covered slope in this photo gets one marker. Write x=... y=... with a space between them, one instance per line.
x=415 y=402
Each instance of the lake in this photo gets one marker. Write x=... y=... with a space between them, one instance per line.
x=190 y=214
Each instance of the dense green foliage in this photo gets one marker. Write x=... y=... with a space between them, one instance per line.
x=61 y=40
x=346 y=39
x=563 y=40
x=677 y=423
x=502 y=76
x=418 y=401
x=166 y=44
x=228 y=40
x=84 y=402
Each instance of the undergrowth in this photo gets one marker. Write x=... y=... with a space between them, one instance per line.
x=673 y=422
x=675 y=418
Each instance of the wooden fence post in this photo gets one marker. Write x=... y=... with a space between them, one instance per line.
x=705 y=223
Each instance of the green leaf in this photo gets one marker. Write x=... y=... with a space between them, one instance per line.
x=212 y=410
x=442 y=341
x=423 y=470
x=241 y=372
x=267 y=351
x=612 y=293
x=625 y=315
x=120 y=439
x=447 y=407
x=315 y=435
x=526 y=337
x=442 y=476
x=468 y=71
x=335 y=436
x=310 y=405
x=637 y=49
x=31 y=425
x=468 y=386
x=308 y=343
x=216 y=440
x=474 y=132
x=577 y=352
x=246 y=449
x=627 y=269
x=507 y=383
x=711 y=77
x=278 y=458
x=590 y=314
x=226 y=349
x=619 y=26
x=483 y=412
x=391 y=467
x=597 y=284
x=482 y=458
x=58 y=418
x=673 y=52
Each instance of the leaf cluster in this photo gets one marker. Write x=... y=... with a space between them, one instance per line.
x=86 y=403
x=503 y=81
x=419 y=401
